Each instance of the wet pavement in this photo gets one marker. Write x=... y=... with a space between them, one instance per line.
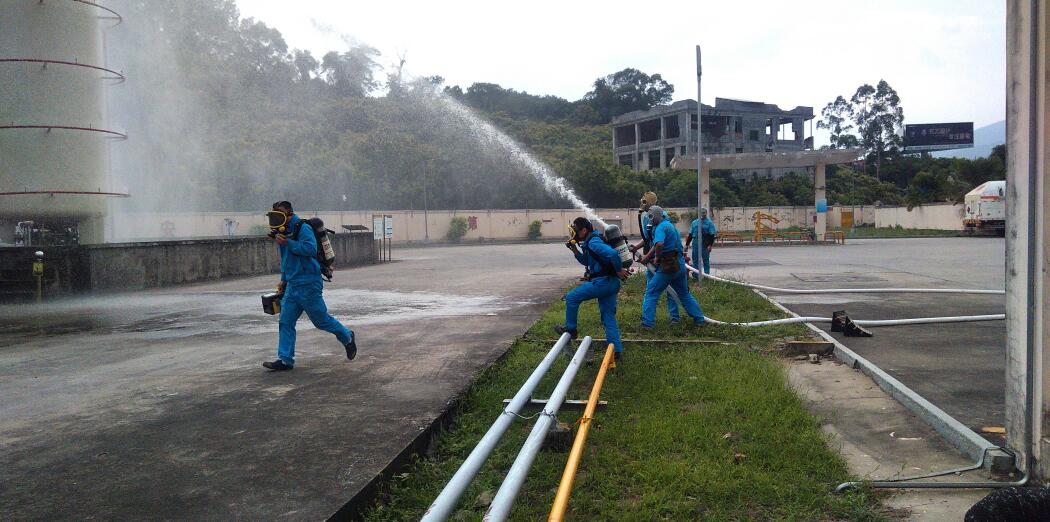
x=960 y=367
x=155 y=405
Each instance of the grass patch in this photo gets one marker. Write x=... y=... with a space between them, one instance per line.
x=692 y=431
x=872 y=232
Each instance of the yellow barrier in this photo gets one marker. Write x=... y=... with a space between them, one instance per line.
x=561 y=500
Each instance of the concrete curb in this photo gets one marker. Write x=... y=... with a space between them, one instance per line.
x=366 y=497
x=958 y=435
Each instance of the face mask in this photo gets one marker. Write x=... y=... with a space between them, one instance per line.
x=277 y=220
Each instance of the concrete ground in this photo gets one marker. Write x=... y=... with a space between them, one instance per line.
x=155 y=405
x=959 y=367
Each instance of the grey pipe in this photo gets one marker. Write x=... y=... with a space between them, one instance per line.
x=499 y=510
x=915 y=483
x=446 y=501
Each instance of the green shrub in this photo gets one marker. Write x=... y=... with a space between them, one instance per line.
x=673 y=216
x=457 y=228
x=689 y=216
x=534 y=230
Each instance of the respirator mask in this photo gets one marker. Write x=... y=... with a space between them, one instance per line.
x=277 y=222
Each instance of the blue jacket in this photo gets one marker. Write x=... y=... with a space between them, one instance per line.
x=700 y=228
x=299 y=264
x=599 y=257
x=668 y=235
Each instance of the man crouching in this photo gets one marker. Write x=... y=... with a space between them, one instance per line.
x=604 y=271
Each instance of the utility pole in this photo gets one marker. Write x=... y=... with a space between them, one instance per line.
x=426 y=219
x=699 y=139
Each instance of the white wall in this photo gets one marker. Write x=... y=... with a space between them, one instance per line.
x=410 y=225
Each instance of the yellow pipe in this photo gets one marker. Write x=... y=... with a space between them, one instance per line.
x=561 y=500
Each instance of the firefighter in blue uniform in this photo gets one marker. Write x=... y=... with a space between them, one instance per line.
x=666 y=254
x=605 y=271
x=648 y=200
x=301 y=285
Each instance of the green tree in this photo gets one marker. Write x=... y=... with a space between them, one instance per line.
x=837 y=118
x=625 y=91
x=879 y=118
x=872 y=118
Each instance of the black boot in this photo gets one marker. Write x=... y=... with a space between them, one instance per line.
x=560 y=329
x=351 y=347
x=276 y=366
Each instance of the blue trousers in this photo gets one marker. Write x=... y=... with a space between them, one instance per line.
x=701 y=254
x=305 y=298
x=657 y=284
x=672 y=307
x=605 y=290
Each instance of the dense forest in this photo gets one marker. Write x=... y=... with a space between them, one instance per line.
x=223 y=115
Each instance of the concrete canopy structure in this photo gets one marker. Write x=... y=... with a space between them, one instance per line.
x=817 y=159
x=651 y=139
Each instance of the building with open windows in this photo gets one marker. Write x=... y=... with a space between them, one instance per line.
x=646 y=140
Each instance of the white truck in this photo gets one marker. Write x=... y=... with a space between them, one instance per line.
x=986 y=209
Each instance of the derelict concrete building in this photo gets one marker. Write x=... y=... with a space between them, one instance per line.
x=646 y=140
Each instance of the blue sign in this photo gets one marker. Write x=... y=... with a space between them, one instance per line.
x=822 y=205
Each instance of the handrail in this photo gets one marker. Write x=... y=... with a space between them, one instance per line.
x=561 y=499
x=499 y=509
x=446 y=501
x=119 y=76
x=67 y=127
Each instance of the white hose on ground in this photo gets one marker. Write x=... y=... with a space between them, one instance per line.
x=861 y=322
x=849 y=290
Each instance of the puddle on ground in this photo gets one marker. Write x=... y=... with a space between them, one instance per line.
x=219 y=314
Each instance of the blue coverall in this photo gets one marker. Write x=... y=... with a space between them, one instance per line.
x=698 y=229
x=672 y=306
x=301 y=274
x=667 y=235
x=603 y=263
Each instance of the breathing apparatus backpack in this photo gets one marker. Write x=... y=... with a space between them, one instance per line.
x=614 y=238
x=325 y=252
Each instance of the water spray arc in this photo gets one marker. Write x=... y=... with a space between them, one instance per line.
x=488 y=134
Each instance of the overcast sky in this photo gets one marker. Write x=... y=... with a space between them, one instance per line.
x=944 y=57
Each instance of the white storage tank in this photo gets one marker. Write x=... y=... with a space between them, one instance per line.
x=54 y=136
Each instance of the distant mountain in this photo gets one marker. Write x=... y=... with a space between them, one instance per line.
x=984 y=139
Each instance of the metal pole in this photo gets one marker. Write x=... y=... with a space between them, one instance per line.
x=699 y=138
x=446 y=501
x=499 y=510
x=426 y=220
x=561 y=499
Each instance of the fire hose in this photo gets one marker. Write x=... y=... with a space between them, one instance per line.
x=869 y=322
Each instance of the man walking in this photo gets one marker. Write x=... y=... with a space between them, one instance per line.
x=301 y=285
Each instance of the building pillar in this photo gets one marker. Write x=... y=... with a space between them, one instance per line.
x=1027 y=235
x=637 y=146
x=820 y=202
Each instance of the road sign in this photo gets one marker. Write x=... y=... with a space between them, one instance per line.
x=38 y=268
x=378 y=227
x=938 y=136
x=388 y=226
